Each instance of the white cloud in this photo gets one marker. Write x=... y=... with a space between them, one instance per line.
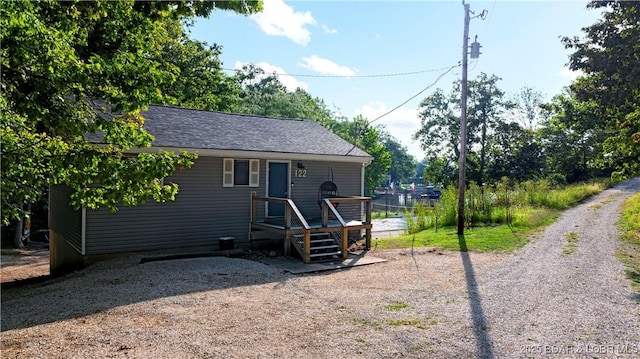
x=401 y=124
x=290 y=82
x=328 y=30
x=279 y=19
x=565 y=72
x=325 y=66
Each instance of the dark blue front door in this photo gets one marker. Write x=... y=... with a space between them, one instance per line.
x=278 y=186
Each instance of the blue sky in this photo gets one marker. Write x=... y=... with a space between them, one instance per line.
x=351 y=40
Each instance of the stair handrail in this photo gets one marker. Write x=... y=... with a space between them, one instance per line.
x=306 y=229
x=328 y=206
x=329 y=203
x=291 y=210
x=298 y=214
x=344 y=235
x=286 y=201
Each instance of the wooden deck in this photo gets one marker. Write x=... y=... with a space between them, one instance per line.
x=278 y=224
x=298 y=230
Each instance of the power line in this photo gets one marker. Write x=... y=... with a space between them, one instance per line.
x=411 y=98
x=416 y=95
x=352 y=76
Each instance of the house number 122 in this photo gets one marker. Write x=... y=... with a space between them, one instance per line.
x=301 y=173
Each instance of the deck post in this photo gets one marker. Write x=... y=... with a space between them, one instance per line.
x=345 y=242
x=287 y=229
x=307 y=246
x=325 y=213
x=367 y=236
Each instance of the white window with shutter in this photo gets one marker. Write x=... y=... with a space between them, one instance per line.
x=227 y=172
x=254 y=173
x=240 y=172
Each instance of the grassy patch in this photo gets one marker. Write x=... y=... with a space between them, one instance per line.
x=629 y=252
x=366 y=323
x=498 y=219
x=420 y=324
x=572 y=195
x=500 y=238
x=394 y=307
x=571 y=245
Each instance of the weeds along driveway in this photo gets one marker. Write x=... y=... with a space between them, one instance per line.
x=555 y=297
x=565 y=294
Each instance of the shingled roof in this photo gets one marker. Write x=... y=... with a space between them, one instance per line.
x=182 y=128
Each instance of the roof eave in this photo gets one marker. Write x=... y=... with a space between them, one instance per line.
x=262 y=155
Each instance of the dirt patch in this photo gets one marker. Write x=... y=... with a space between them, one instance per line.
x=23 y=264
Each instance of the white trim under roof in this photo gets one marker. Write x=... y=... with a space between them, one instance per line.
x=261 y=155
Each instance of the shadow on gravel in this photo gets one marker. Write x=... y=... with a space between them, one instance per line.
x=483 y=341
x=119 y=282
x=122 y=281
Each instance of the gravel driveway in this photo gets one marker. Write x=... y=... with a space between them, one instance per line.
x=563 y=295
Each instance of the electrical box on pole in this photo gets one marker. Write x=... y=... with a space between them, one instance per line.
x=475 y=49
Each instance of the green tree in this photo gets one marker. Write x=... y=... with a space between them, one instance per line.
x=527 y=108
x=485 y=114
x=264 y=95
x=609 y=56
x=361 y=134
x=572 y=139
x=261 y=94
x=200 y=83
x=514 y=152
x=403 y=165
x=440 y=171
x=421 y=166
x=439 y=134
x=56 y=59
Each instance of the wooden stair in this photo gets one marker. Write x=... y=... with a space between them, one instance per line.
x=323 y=247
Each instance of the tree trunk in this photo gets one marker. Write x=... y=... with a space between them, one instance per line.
x=17 y=238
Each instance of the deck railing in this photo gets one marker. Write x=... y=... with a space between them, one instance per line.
x=330 y=205
x=294 y=223
x=341 y=236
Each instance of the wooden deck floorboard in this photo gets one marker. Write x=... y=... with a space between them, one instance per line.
x=278 y=223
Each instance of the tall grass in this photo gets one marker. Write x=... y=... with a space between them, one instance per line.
x=518 y=205
x=417 y=220
x=629 y=252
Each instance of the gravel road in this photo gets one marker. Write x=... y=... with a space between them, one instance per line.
x=563 y=295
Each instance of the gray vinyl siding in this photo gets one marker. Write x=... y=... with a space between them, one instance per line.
x=63 y=219
x=347 y=176
x=202 y=212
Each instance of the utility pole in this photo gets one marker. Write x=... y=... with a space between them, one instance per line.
x=475 y=52
x=463 y=121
